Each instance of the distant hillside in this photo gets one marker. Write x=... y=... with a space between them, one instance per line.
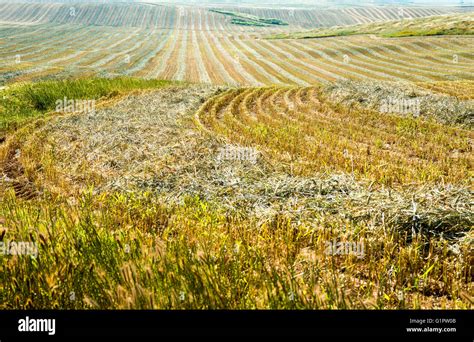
x=457 y=24
x=164 y=15
x=342 y=15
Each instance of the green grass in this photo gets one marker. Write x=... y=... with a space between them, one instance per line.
x=246 y=22
x=429 y=32
x=21 y=102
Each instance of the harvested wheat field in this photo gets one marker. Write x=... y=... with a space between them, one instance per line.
x=200 y=44
x=212 y=157
x=162 y=150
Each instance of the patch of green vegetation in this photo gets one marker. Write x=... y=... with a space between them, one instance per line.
x=245 y=22
x=24 y=101
x=273 y=21
x=251 y=20
x=432 y=32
